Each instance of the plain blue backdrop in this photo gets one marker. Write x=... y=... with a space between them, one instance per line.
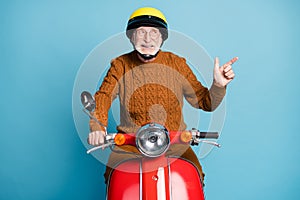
x=43 y=44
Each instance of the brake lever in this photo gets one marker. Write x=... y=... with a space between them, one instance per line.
x=211 y=143
x=103 y=146
x=196 y=141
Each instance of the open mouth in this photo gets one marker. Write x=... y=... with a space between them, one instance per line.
x=147 y=49
x=147 y=46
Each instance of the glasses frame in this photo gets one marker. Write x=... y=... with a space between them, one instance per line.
x=153 y=33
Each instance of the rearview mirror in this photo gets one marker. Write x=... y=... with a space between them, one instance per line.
x=88 y=101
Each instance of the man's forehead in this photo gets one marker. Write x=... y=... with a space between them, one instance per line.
x=147 y=28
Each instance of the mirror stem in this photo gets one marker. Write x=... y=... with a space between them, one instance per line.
x=95 y=119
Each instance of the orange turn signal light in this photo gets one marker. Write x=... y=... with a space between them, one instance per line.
x=186 y=136
x=120 y=139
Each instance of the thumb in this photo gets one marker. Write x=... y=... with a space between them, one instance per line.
x=217 y=63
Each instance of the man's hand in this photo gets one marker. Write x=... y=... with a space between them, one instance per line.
x=224 y=74
x=96 y=138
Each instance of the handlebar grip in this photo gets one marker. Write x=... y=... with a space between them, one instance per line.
x=209 y=135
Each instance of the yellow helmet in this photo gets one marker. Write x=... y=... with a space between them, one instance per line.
x=147 y=16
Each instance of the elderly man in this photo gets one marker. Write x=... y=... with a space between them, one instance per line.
x=151 y=85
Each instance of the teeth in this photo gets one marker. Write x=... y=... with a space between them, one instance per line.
x=145 y=46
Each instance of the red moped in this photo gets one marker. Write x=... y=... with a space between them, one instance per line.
x=154 y=175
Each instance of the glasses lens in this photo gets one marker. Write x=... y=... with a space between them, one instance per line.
x=153 y=33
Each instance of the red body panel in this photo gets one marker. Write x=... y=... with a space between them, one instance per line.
x=186 y=184
x=178 y=180
x=124 y=183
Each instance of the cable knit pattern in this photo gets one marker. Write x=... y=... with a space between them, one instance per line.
x=152 y=92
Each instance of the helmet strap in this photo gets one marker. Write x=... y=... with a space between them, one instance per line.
x=147 y=56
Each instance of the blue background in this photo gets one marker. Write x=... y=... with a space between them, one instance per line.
x=43 y=44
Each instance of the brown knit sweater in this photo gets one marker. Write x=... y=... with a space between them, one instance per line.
x=152 y=92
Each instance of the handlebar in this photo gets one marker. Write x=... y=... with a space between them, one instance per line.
x=189 y=136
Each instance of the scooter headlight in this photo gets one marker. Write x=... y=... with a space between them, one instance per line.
x=152 y=140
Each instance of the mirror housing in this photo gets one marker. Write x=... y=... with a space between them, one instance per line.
x=88 y=101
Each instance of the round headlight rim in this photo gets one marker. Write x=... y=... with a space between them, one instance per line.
x=161 y=129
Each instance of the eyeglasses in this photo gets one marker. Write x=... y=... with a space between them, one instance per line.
x=153 y=33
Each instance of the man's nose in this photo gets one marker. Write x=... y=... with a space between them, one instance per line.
x=147 y=37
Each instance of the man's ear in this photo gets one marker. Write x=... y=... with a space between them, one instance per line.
x=132 y=39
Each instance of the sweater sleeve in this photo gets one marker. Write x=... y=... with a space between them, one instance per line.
x=197 y=95
x=106 y=94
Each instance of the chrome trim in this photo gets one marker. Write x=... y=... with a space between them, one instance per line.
x=161 y=184
x=106 y=192
x=141 y=180
x=170 y=179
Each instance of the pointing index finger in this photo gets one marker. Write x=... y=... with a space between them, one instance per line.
x=233 y=60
